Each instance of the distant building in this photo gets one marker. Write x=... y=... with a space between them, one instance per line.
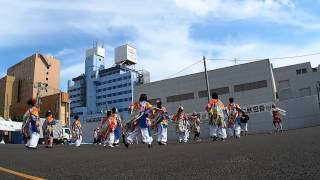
x=59 y=105
x=35 y=76
x=250 y=83
x=102 y=88
x=255 y=86
x=6 y=90
x=297 y=80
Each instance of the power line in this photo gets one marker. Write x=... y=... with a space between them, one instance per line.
x=274 y=58
x=297 y=56
x=238 y=60
x=185 y=68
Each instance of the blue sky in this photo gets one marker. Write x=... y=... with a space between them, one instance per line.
x=168 y=34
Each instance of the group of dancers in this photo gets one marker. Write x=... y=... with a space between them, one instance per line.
x=145 y=119
x=31 y=127
x=224 y=121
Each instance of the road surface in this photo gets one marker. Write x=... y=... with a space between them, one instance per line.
x=293 y=154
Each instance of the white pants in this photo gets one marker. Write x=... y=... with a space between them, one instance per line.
x=78 y=141
x=222 y=133
x=237 y=130
x=183 y=136
x=146 y=138
x=244 y=127
x=116 y=141
x=213 y=130
x=33 y=141
x=162 y=133
x=230 y=130
x=111 y=139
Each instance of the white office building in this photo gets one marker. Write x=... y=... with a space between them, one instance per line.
x=101 y=88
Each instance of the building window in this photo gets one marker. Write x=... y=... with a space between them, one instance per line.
x=304 y=70
x=301 y=71
x=180 y=97
x=250 y=86
x=220 y=91
x=284 y=84
x=305 y=92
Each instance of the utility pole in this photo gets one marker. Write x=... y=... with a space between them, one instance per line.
x=206 y=76
x=318 y=92
x=40 y=88
x=69 y=113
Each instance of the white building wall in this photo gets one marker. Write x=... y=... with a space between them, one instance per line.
x=301 y=112
x=224 y=77
x=297 y=83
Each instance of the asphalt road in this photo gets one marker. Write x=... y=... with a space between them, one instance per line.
x=289 y=155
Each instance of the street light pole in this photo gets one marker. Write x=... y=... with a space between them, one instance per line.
x=318 y=92
x=206 y=76
x=69 y=113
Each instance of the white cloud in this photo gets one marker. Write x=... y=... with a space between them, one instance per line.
x=70 y=72
x=64 y=52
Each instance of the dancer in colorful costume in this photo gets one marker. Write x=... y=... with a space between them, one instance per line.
x=161 y=122
x=77 y=131
x=140 y=121
x=30 y=128
x=233 y=122
x=104 y=128
x=215 y=110
x=195 y=120
x=112 y=123
x=48 y=129
x=182 y=124
x=118 y=129
x=276 y=116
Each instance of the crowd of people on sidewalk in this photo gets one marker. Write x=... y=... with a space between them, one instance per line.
x=147 y=120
